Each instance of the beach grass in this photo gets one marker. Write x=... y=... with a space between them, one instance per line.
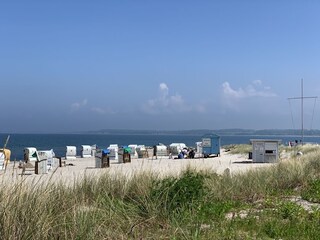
x=258 y=204
x=242 y=149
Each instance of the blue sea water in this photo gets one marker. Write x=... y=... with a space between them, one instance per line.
x=58 y=142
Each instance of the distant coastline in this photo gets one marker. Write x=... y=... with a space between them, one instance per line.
x=195 y=132
x=200 y=132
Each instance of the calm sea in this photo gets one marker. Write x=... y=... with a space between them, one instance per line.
x=58 y=142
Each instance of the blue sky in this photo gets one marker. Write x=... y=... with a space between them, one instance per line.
x=167 y=65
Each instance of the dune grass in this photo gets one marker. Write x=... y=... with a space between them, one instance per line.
x=242 y=149
x=194 y=205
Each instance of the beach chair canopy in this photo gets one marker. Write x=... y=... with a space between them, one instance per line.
x=105 y=151
x=127 y=150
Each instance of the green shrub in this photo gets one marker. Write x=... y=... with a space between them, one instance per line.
x=178 y=194
x=312 y=191
x=312 y=164
x=272 y=229
x=289 y=210
x=216 y=209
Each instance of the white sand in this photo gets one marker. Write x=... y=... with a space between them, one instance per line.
x=161 y=167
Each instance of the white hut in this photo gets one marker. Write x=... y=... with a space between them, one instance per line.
x=93 y=150
x=86 y=151
x=161 y=151
x=49 y=156
x=41 y=167
x=176 y=148
x=120 y=154
x=30 y=154
x=199 y=149
x=133 y=153
x=71 y=152
x=113 y=151
x=265 y=150
x=142 y=151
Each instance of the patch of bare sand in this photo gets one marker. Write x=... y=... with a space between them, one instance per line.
x=76 y=170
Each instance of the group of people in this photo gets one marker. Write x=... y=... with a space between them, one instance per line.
x=186 y=153
x=295 y=143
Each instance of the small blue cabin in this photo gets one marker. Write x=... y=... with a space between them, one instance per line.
x=210 y=145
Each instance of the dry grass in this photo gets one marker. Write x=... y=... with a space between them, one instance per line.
x=146 y=206
x=242 y=149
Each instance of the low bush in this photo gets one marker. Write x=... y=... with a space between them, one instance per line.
x=178 y=194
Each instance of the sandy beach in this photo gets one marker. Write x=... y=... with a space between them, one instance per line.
x=75 y=170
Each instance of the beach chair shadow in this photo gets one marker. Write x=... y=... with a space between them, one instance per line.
x=243 y=162
x=247 y=162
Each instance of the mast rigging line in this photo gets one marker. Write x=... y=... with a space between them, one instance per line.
x=294 y=128
x=302 y=105
x=314 y=106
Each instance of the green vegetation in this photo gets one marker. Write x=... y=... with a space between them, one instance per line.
x=196 y=205
x=242 y=149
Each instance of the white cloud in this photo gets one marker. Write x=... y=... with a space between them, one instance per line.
x=257 y=82
x=98 y=110
x=83 y=105
x=228 y=91
x=166 y=103
x=164 y=87
x=77 y=105
x=252 y=96
x=102 y=111
x=200 y=109
x=255 y=90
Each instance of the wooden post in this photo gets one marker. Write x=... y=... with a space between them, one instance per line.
x=126 y=158
x=60 y=161
x=36 y=167
x=105 y=162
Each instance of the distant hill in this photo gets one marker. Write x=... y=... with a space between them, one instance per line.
x=201 y=132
